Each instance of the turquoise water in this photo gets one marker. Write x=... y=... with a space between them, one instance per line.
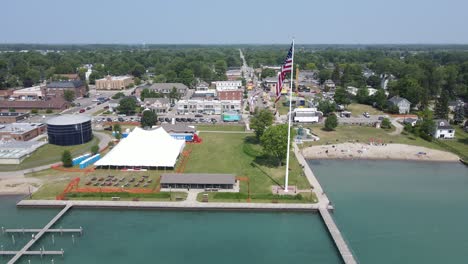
x=399 y=212
x=169 y=237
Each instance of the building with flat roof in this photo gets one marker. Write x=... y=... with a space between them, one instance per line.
x=164 y=88
x=30 y=93
x=14 y=152
x=228 y=85
x=12 y=117
x=114 y=82
x=21 y=131
x=231 y=95
x=214 y=107
x=57 y=103
x=197 y=181
x=56 y=89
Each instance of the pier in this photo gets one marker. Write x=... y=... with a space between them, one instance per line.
x=23 y=251
x=33 y=253
x=324 y=209
x=60 y=230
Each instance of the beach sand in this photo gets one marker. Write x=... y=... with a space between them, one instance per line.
x=19 y=185
x=387 y=151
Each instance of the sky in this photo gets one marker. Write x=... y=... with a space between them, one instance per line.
x=235 y=21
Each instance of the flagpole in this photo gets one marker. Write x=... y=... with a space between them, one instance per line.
x=289 y=120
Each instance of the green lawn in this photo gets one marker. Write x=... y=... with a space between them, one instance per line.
x=232 y=153
x=358 y=109
x=363 y=134
x=220 y=127
x=48 y=154
x=56 y=181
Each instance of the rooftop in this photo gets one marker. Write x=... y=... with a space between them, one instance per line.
x=19 y=128
x=165 y=86
x=18 y=149
x=12 y=113
x=68 y=120
x=65 y=84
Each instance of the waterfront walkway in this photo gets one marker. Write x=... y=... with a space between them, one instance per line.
x=182 y=205
x=39 y=235
x=324 y=207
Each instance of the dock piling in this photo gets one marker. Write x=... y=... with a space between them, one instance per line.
x=13 y=239
x=53 y=239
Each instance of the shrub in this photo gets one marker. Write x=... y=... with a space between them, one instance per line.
x=67 y=159
x=34 y=111
x=49 y=111
x=331 y=122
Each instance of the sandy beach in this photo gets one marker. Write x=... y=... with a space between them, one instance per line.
x=386 y=151
x=18 y=185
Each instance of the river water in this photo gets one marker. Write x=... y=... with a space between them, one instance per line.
x=114 y=236
x=399 y=212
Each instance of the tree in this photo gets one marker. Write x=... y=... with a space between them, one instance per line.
x=427 y=125
x=118 y=95
x=380 y=99
x=148 y=118
x=386 y=123
x=67 y=159
x=311 y=66
x=260 y=121
x=117 y=128
x=331 y=122
x=68 y=95
x=137 y=81
x=127 y=105
x=326 y=106
x=441 y=110
x=459 y=115
x=341 y=96
x=324 y=75
x=275 y=143
x=373 y=81
x=268 y=73
x=95 y=149
x=362 y=95
x=336 y=74
x=138 y=70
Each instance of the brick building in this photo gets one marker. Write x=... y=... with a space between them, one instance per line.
x=230 y=95
x=12 y=117
x=21 y=131
x=114 y=82
x=56 y=89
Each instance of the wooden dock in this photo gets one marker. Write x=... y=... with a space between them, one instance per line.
x=33 y=253
x=335 y=233
x=39 y=235
x=29 y=230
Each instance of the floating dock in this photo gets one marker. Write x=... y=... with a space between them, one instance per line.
x=33 y=253
x=60 y=230
x=23 y=251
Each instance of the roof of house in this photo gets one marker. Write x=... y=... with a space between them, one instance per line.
x=65 y=84
x=397 y=100
x=154 y=100
x=443 y=124
x=409 y=120
x=166 y=86
x=53 y=103
x=19 y=128
x=197 y=178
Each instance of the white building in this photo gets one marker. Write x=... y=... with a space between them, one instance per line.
x=306 y=115
x=228 y=85
x=213 y=107
x=443 y=129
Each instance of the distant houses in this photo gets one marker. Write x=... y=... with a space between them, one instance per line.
x=402 y=104
x=443 y=129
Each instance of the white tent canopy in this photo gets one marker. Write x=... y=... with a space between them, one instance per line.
x=144 y=148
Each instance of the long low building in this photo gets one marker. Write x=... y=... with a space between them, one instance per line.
x=197 y=181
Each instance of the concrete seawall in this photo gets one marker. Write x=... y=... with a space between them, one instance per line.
x=180 y=206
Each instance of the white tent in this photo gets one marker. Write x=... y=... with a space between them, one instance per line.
x=144 y=148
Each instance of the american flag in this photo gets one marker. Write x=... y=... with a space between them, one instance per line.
x=285 y=68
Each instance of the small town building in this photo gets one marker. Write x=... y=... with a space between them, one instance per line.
x=67 y=76
x=411 y=121
x=197 y=181
x=5 y=94
x=159 y=105
x=306 y=115
x=329 y=84
x=57 y=89
x=202 y=86
x=55 y=103
x=230 y=95
x=12 y=117
x=228 y=85
x=21 y=131
x=114 y=82
x=233 y=74
x=14 y=152
x=164 y=88
x=180 y=131
x=404 y=105
x=443 y=129
x=30 y=94
x=205 y=106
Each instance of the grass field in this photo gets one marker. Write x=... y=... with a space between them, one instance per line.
x=220 y=127
x=56 y=181
x=363 y=134
x=48 y=154
x=358 y=109
x=236 y=154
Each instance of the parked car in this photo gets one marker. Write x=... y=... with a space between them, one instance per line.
x=198 y=115
x=109 y=119
x=120 y=119
x=88 y=108
x=365 y=114
x=82 y=110
x=167 y=119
